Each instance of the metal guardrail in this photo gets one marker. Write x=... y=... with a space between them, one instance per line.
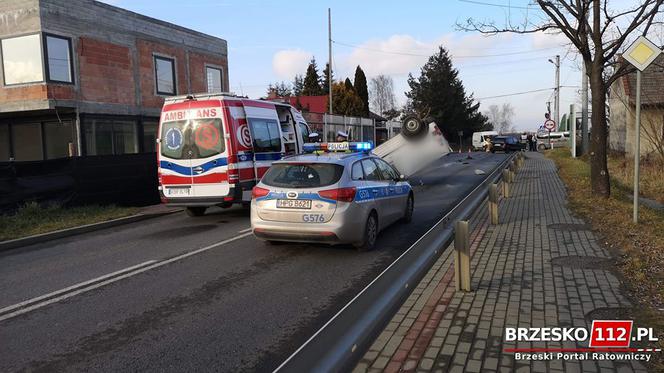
x=342 y=341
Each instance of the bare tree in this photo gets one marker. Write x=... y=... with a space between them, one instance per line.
x=381 y=92
x=599 y=34
x=501 y=117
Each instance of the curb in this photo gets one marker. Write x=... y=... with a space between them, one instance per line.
x=43 y=237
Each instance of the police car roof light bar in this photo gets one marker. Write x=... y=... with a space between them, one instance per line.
x=330 y=147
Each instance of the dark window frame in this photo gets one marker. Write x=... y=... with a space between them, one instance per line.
x=156 y=57
x=2 y=60
x=42 y=120
x=221 y=77
x=139 y=127
x=47 y=72
x=362 y=177
x=366 y=176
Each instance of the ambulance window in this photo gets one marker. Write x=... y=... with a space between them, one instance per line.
x=371 y=171
x=304 y=132
x=266 y=135
x=207 y=137
x=173 y=139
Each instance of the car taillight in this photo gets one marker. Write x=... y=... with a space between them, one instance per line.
x=340 y=194
x=258 y=192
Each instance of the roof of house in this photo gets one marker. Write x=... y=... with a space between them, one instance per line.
x=652 y=84
x=314 y=104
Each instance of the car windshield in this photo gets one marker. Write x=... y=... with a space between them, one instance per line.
x=302 y=175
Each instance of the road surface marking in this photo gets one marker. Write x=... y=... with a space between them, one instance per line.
x=80 y=284
x=244 y=230
x=109 y=281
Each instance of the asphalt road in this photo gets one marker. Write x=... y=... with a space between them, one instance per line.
x=195 y=294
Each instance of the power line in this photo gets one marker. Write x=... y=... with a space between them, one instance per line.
x=525 y=92
x=515 y=94
x=453 y=56
x=500 y=5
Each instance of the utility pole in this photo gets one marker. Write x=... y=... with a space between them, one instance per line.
x=584 y=111
x=329 y=47
x=557 y=107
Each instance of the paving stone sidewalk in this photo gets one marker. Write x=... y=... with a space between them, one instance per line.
x=515 y=284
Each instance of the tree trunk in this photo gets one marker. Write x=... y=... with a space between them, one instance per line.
x=599 y=172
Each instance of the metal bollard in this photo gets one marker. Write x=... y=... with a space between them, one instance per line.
x=506 y=184
x=462 y=256
x=493 y=203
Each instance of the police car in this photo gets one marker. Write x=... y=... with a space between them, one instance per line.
x=334 y=193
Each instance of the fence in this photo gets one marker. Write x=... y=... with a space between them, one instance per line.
x=127 y=180
x=358 y=129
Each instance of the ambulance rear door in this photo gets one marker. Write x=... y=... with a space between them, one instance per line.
x=266 y=134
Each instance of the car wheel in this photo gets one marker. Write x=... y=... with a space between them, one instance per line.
x=370 y=234
x=413 y=128
x=226 y=205
x=410 y=205
x=195 y=211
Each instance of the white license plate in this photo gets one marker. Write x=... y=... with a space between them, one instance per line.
x=182 y=191
x=304 y=204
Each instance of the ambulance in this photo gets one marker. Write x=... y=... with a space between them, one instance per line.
x=213 y=148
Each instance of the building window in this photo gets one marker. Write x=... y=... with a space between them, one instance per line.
x=27 y=140
x=165 y=75
x=58 y=59
x=107 y=137
x=4 y=143
x=149 y=136
x=22 y=59
x=213 y=79
x=57 y=136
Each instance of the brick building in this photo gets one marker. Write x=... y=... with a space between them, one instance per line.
x=84 y=77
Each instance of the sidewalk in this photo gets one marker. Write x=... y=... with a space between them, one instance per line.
x=515 y=284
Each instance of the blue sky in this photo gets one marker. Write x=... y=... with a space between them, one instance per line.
x=271 y=41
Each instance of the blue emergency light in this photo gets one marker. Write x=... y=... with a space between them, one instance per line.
x=330 y=147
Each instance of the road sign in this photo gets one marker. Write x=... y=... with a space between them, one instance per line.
x=550 y=124
x=642 y=53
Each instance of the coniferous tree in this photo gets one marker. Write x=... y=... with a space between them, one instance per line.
x=349 y=84
x=280 y=89
x=346 y=101
x=298 y=85
x=439 y=92
x=325 y=86
x=360 y=84
x=312 y=80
